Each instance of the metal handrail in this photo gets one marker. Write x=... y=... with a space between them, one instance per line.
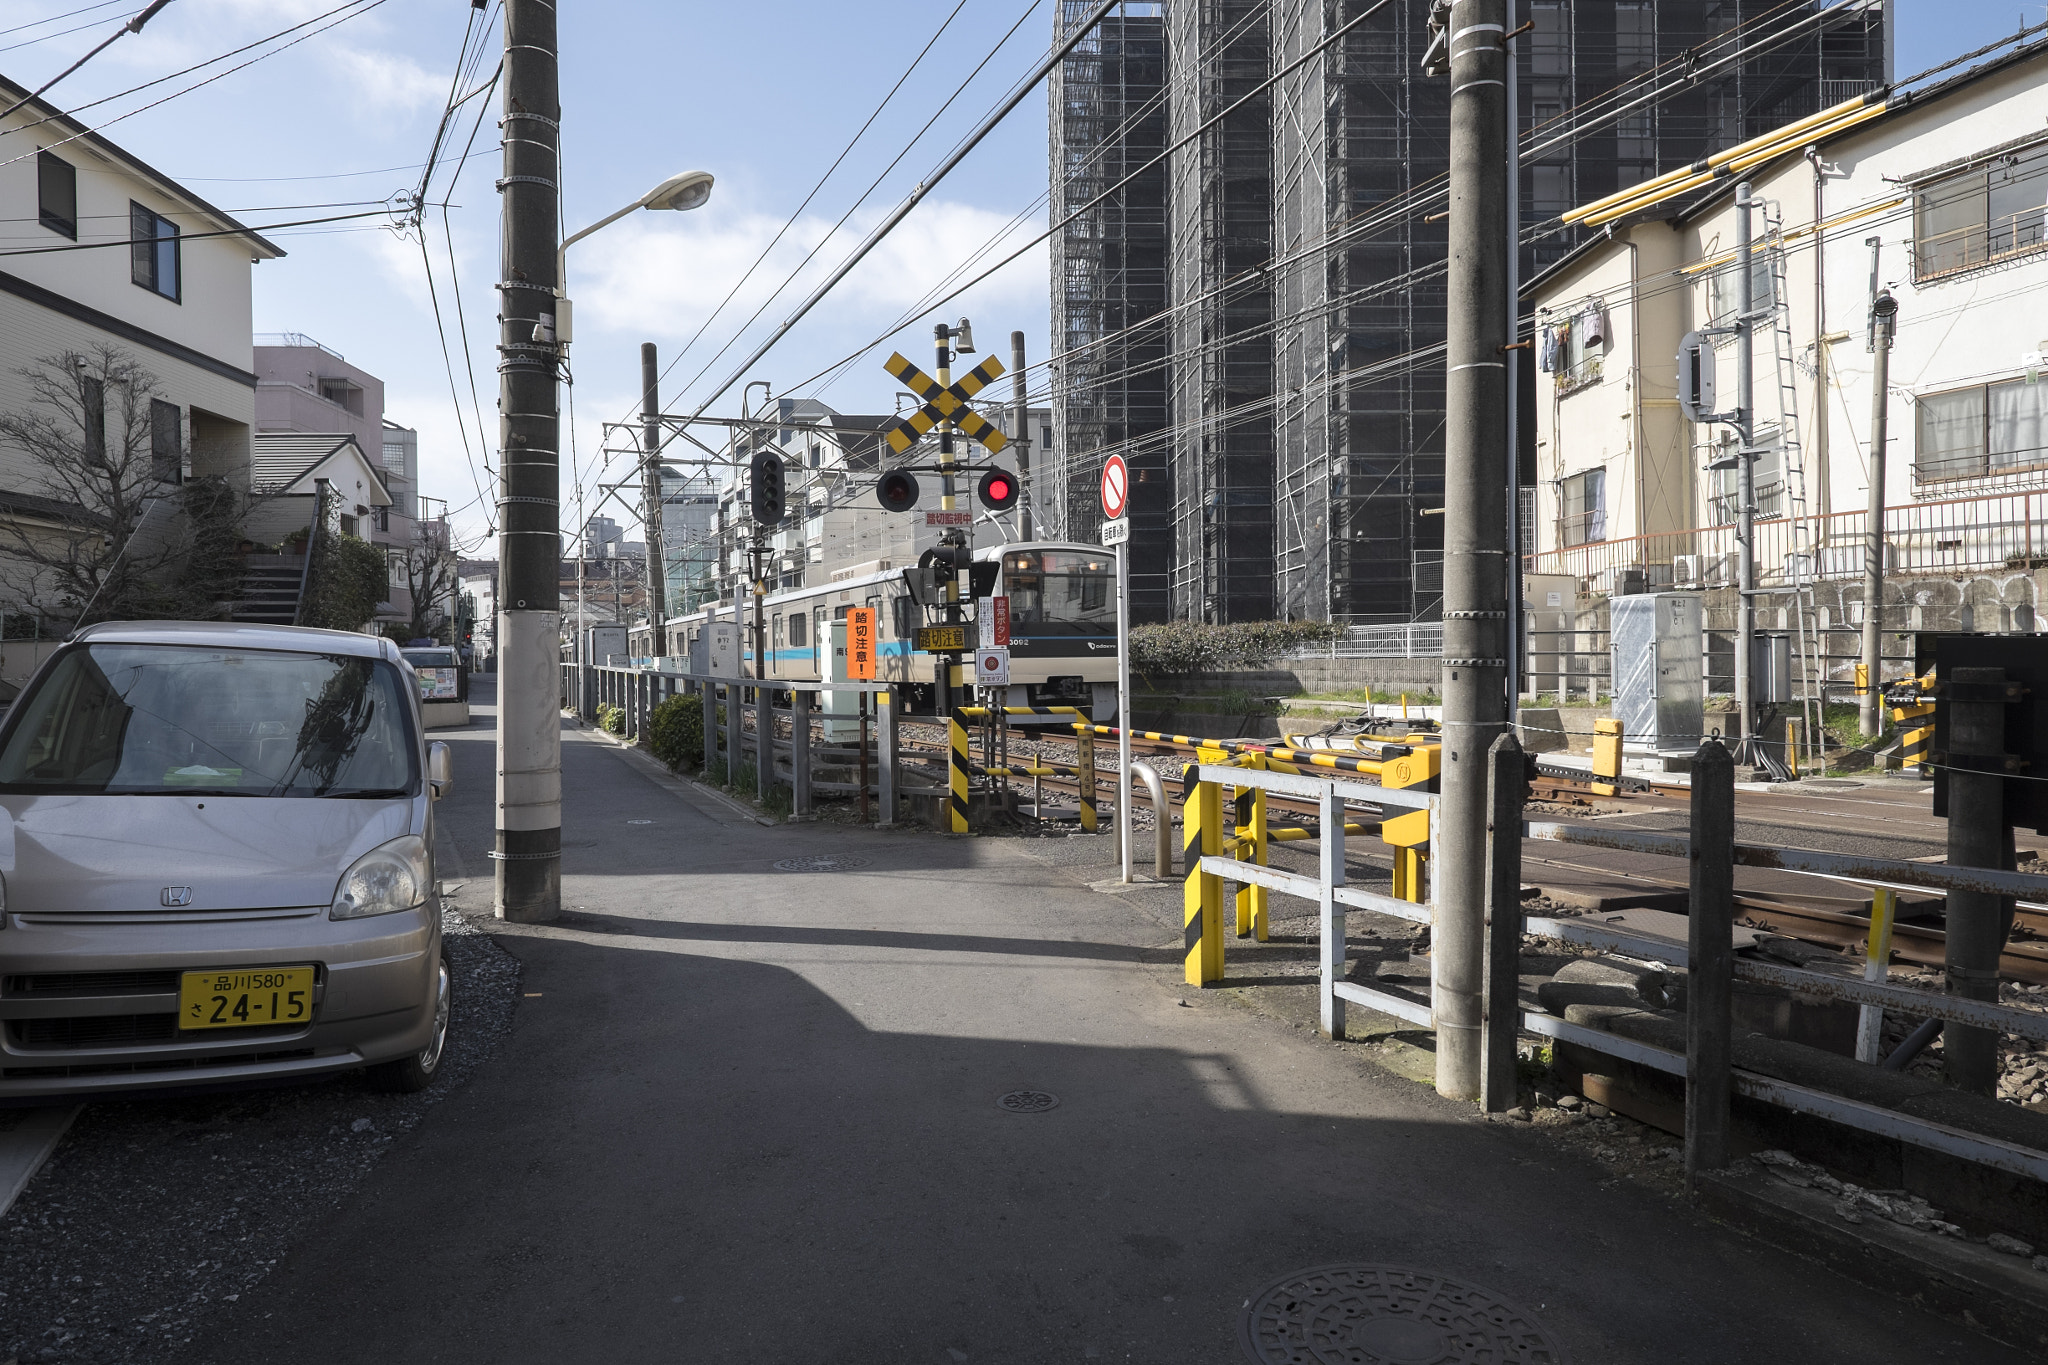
x=313 y=529
x=1848 y=867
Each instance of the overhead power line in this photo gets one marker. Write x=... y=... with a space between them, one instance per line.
x=917 y=196
x=132 y=26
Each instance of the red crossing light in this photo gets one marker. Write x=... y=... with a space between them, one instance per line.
x=998 y=490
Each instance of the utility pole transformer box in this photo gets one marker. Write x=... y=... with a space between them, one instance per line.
x=1659 y=673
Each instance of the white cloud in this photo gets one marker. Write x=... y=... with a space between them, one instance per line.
x=662 y=279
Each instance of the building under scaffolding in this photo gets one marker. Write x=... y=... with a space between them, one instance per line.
x=1287 y=462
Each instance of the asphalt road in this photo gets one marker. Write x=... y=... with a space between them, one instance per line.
x=746 y=1114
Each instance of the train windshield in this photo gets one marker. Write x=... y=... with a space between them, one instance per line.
x=1060 y=589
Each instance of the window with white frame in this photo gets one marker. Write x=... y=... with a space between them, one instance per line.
x=1582 y=508
x=1991 y=211
x=1724 y=288
x=1725 y=494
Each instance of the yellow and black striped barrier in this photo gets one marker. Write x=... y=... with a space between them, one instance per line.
x=1915 y=702
x=961 y=769
x=958 y=772
x=1202 y=893
x=1250 y=803
x=1084 y=771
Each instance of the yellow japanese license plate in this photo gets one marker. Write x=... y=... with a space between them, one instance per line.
x=245 y=997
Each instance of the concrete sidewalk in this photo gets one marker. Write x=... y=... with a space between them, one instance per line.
x=750 y=1114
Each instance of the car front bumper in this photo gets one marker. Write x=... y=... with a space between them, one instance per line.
x=89 y=1003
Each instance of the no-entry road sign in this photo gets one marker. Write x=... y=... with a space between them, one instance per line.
x=1116 y=487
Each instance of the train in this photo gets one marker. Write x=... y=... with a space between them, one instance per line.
x=1062 y=599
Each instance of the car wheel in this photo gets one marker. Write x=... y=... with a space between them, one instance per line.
x=417 y=1071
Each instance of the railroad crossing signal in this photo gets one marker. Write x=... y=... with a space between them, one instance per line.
x=944 y=402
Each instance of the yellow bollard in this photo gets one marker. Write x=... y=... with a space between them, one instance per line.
x=1251 y=847
x=956 y=779
x=1202 y=892
x=1877 y=956
x=1607 y=739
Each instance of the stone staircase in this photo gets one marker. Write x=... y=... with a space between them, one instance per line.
x=270 y=590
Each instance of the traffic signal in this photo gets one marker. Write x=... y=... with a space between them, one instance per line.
x=897 y=491
x=997 y=490
x=768 y=489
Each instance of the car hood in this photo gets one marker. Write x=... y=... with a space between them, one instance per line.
x=121 y=853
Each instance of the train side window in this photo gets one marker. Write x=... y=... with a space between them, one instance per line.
x=904 y=614
x=778 y=630
x=796 y=631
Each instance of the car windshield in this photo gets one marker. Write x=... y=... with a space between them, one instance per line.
x=1053 y=587
x=173 y=720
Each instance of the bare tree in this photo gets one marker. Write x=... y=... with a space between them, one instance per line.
x=428 y=567
x=104 y=531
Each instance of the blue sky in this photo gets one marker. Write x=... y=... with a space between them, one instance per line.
x=765 y=96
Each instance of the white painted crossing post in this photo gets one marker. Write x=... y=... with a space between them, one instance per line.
x=799 y=753
x=1333 y=942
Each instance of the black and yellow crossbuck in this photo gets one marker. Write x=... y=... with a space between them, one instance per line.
x=945 y=402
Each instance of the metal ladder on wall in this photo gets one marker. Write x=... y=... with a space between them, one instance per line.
x=1802 y=565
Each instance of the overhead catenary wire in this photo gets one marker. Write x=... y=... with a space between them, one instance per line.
x=916 y=197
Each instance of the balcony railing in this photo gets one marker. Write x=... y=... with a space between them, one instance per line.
x=1960 y=535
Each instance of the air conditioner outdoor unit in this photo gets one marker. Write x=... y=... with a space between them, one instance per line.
x=1685 y=570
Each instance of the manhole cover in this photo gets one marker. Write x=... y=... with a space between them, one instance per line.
x=1385 y=1315
x=1027 y=1102
x=820 y=862
x=1830 y=784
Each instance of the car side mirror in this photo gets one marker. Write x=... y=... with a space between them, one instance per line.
x=440 y=769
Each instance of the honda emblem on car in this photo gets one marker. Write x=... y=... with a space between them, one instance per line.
x=177 y=895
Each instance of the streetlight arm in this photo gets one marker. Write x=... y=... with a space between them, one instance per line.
x=562 y=252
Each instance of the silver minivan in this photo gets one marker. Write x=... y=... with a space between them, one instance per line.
x=217 y=864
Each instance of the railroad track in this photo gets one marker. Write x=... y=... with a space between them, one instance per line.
x=1813 y=920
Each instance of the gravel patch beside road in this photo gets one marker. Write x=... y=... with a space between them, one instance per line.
x=153 y=1211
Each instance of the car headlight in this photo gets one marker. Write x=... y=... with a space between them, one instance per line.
x=388 y=878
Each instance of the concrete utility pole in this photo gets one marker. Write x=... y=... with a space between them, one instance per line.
x=1884 y=309
x=529 y=750
x=650 y=505
x=1745 y=470
x=1475 y=531
x=1021 y=420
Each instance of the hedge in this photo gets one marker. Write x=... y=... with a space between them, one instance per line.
x=1182 y=647
x=675 y=732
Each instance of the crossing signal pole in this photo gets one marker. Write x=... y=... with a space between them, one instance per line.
x=528 y=848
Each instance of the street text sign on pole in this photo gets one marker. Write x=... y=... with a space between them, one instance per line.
x=860 y=643
x=992 y=667
x=1116 y=487
x=1116 y=532
x=1001 y=617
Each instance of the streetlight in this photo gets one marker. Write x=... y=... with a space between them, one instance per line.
x=690 y=190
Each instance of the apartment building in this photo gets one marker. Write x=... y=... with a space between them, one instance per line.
x=1936 y=195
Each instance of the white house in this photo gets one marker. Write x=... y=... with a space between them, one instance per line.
x=102 y=250
x=1939 y=194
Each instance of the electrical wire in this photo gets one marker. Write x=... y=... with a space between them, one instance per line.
x=60 y=18
x=133 y=25
x=356 y=9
